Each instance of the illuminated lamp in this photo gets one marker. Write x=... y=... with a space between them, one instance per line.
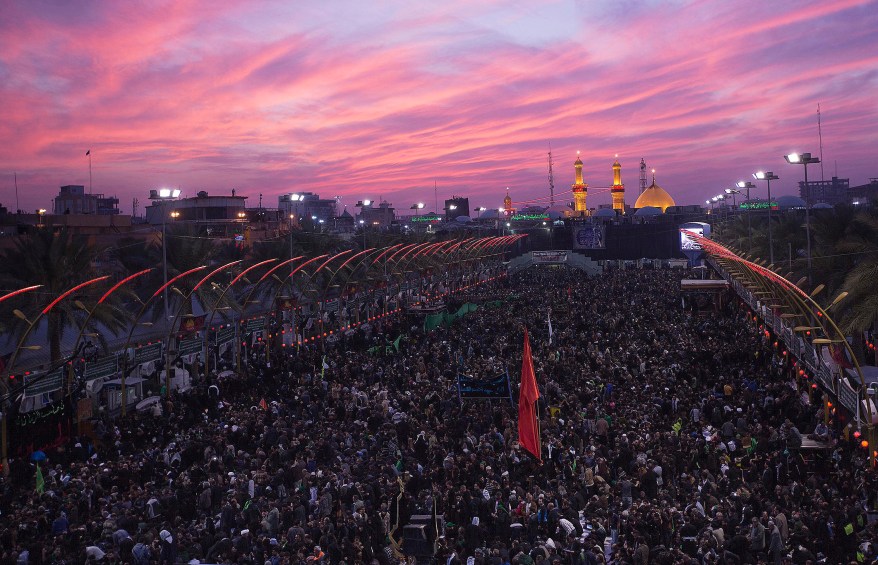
x=857 y=434
x=801 y=372
x=864 y=444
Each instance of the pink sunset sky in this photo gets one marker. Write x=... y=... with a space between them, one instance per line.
x=381 y=99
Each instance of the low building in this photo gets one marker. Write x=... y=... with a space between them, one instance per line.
x=834 y=191
x=72 y=199
x=307 y=205
x=455 y=207
x=381 y=216
x=201 y=208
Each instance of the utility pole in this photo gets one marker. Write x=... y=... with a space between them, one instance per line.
x=551 y=179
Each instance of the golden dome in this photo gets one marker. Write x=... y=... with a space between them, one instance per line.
x=655 y=196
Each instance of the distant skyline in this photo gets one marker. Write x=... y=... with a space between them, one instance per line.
x=369 y=100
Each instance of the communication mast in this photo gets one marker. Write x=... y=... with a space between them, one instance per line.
x=820 y=136
x=642 y=175
x=551 y=179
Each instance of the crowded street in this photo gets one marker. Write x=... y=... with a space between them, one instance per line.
x=669 y=434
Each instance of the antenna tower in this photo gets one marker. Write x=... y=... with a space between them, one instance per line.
x=551 y=179
x=820 y=135
x=642 y=175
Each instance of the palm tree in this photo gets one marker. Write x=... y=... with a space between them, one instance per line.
x=861 y=244
x=829 y=229
x=58 y=261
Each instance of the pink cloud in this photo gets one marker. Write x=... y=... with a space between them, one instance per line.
x=271 y=97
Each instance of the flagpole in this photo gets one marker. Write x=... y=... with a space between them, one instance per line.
x=17 y=206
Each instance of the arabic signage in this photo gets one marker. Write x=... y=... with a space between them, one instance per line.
x=255 y=325
x=105 y=367
x=537 y=217
x=224 y=335
x=589 y=236
x=148 y=353
x=497 y=387
x=35 y=385
x=848 y=397
x=758 y=205
x=549 y=256
x=189 y=346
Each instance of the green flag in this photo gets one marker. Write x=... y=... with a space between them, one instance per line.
x=41 y=482
x=396 y=342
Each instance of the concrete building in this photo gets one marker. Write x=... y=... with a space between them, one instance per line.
x=380 y=216
x=864 y=193
x=834 y=191
x=307 y=205
x=202 y=208
x=456 y=206
x=72 y=199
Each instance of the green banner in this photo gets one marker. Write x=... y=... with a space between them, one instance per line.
x=148 y=353
x=224 y=335
x=255 y=325
x=189 y=346
x=105 y=367
x=433 y=321
x=35 y=385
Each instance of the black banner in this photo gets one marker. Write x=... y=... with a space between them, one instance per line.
x=472 y=388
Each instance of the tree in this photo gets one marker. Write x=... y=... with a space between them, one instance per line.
x=861 y=244
x=58 y=261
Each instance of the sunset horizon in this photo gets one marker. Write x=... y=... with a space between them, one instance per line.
x=353 y=101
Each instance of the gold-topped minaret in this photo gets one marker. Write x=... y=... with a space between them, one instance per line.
x=580 y=189
x=617 y=191
x=508 y=211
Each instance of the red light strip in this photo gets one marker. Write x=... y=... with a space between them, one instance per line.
x=306 y=263
x=331 y=259
x=278 y=266
x=178 y=277
x=250 y=268
x=212 y=273
x=19 y=291
x=120 y=283
x=71 y=291
x=343 y=265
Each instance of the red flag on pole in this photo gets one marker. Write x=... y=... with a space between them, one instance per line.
x=528 y=422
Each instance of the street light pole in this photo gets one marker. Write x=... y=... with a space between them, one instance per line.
x=768 y=177
x=748 y=185
x=165 y=258
x=805 y=159
x=163 y=195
